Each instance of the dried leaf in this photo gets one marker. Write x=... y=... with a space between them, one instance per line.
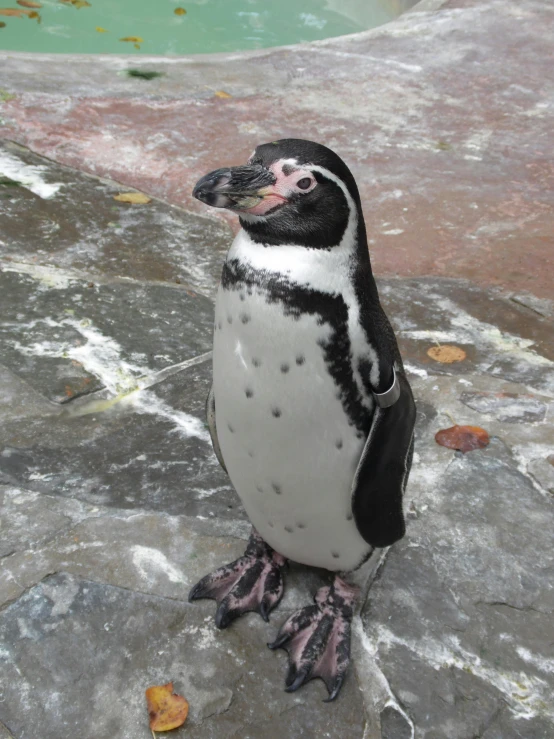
x=17 y=12
x=180 y=11
x=222 y=94
x=2 y=24
x=143 y=74
x=36 y=15
x=132 y=39
x=101 y=30
x=29 y=4
x=166 y=709
x=446 y=354
x=463 y=438
x=132 y=197
x=77 y=3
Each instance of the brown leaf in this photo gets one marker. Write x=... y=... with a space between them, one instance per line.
x=132 y=197
x=446 y=354
x=29 y=4
x=2 y=24
x=14 y=12
x=132 y=39
x=463 y=438
x=166 y=709
x=222 y=94
x=180 y=11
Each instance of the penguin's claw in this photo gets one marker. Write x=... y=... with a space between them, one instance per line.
x=317 y=639
x=253 y=582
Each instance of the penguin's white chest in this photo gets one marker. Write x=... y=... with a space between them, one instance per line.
x=288 y=446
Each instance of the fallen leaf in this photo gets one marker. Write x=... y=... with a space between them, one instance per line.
x=132 y=39
x=28 y=4
x=137 y=46
x=463 y=438
x=132 y=197
x=143 y=74
x=180 y=11
x=14 y=12
x=222 y=94
x=77 y=3
x=36 y=15
x=446 y=354
x=166 y=709
x=101 y=30
x=2 y=24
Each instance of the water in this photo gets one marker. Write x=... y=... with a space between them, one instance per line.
x=207 y=26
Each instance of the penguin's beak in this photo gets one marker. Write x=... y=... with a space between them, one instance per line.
x=236 y=188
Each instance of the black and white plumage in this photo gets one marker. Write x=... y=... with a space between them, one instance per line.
x=310 y=411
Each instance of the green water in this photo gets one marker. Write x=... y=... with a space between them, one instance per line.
x=207 y=25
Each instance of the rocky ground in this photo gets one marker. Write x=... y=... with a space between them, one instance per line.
x=112 y=503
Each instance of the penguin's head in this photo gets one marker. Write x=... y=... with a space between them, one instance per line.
x=290 y=191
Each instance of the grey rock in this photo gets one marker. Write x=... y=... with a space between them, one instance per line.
x=84 y=228
x=4 y=732
x=151 y=451
x=460 y=614
x=394 y=725
x=27 y=518
x=72 y=338
x=543 y=472
x=542 y=306
x=506 y=407
x=88 y=651
x=499 y=336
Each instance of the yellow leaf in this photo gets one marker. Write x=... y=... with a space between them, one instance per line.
x=166 y=710
x=29 y=4
x=180 y=11
x=100 y=29
x=222 y=94
x=132 y=197
x=132 y=39
x=446 y=354
x=14 y=11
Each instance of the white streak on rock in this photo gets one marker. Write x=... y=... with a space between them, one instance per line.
x=412 y=370
x=376 y=690
x=526 y=695
x=27 y=175
x=51 y=278
x=150 y=562
x=185 y=424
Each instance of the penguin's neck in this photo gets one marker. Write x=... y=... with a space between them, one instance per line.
x=326 y=270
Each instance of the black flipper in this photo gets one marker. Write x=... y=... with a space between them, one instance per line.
x=384 y=466
x=210 y=416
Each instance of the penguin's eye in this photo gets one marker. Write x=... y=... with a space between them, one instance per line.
x=304 y=183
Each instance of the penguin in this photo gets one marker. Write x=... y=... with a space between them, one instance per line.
x=310 y=411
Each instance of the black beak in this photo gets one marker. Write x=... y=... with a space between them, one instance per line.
x=236 y=188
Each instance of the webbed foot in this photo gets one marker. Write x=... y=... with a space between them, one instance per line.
x=253 y=582
x=317 y=639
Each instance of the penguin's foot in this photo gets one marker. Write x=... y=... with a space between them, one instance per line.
x=253 y=582
x=317 y=639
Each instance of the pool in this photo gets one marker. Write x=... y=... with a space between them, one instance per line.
x=174 y=27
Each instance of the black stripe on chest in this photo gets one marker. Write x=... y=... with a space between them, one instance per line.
x=297 y=300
